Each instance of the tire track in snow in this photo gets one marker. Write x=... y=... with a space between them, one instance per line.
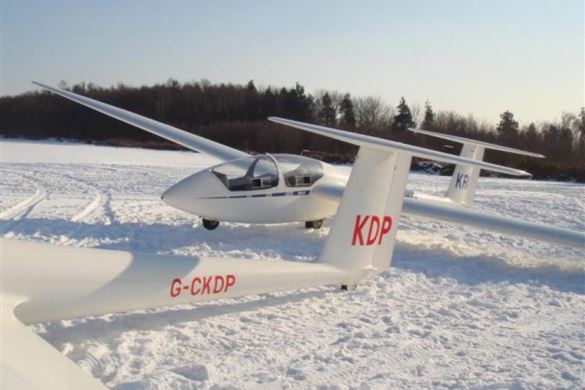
x=24 y=207
x=89 y=209
x=100 y=201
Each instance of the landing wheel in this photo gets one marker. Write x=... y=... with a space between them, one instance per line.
x=209 y=224
x=314 y=224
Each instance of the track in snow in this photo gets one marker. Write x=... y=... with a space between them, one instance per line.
x=24 y=207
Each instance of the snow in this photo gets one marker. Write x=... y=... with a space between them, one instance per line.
x=459 y=308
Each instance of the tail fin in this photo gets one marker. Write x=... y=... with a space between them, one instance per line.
x=362 y=238
x=364 y=233
x=464 y=180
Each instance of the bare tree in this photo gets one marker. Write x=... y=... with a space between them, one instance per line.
x=416 y=112
x=371 y=113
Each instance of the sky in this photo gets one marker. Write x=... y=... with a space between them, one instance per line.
x=474 y=57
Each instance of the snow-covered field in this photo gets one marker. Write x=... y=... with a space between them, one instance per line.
x=460 y=308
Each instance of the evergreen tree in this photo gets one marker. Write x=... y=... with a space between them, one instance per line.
x=508 y=128
x=251 y=110
x=531 y=137
x=428 y=122
x=551 y=138
x=297 y=104
x=268 y=104
x=327 y=113
x=347 y=111
x=250 y=87
x=403 y=120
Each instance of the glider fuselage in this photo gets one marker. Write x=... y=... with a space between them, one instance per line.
x=265 y=188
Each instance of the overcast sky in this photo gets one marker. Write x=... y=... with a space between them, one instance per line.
x=474 y=57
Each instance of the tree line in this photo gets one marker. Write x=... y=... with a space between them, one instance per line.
x=235 y=115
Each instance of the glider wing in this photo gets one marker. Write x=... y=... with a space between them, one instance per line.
x=485 y=145
x=178 y=136
x=384 y=144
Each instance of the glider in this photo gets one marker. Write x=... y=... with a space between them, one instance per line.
x=282 y=188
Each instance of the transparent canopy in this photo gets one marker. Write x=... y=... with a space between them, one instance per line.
x=248 y=173
x=261 y=172
x=299 y=171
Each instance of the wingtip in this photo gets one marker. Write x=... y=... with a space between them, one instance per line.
x=522 y=173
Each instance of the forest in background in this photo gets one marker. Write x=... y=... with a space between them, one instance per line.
x=235 y=115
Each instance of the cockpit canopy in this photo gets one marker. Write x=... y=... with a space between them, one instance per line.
x=261 y=172
x=299 y=171
x=248 y=173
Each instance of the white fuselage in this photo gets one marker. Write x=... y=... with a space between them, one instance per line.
x=205 y=195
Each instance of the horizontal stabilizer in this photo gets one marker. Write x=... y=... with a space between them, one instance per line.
x=383 y=144
x=178 y=136
x=468 y=141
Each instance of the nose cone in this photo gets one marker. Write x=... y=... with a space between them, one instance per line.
x=189 y=194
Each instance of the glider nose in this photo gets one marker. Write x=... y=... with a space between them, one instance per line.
x=178 y=195
x=191 y=193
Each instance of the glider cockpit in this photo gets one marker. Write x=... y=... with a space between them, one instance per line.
x=299 y=171
x=248 y=173
x=262 y=172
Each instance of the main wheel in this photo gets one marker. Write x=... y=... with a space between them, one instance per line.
x=209 y=224
x=314 y=224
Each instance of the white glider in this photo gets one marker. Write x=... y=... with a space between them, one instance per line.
x=283 y=188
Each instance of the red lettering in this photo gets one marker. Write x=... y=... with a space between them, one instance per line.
x=201 y=285
x=230 y=280
x=386 y=226
x=217 y=286
x=357 y=230
x=379 y=227
x=195 y=291
x=206 y=282
x=372 y=237
x=175 y=287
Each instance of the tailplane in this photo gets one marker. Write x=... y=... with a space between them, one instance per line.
x=463 y=183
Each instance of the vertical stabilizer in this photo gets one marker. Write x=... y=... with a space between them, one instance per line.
x=464 y=180
x=362 y=237
x=394 y=203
